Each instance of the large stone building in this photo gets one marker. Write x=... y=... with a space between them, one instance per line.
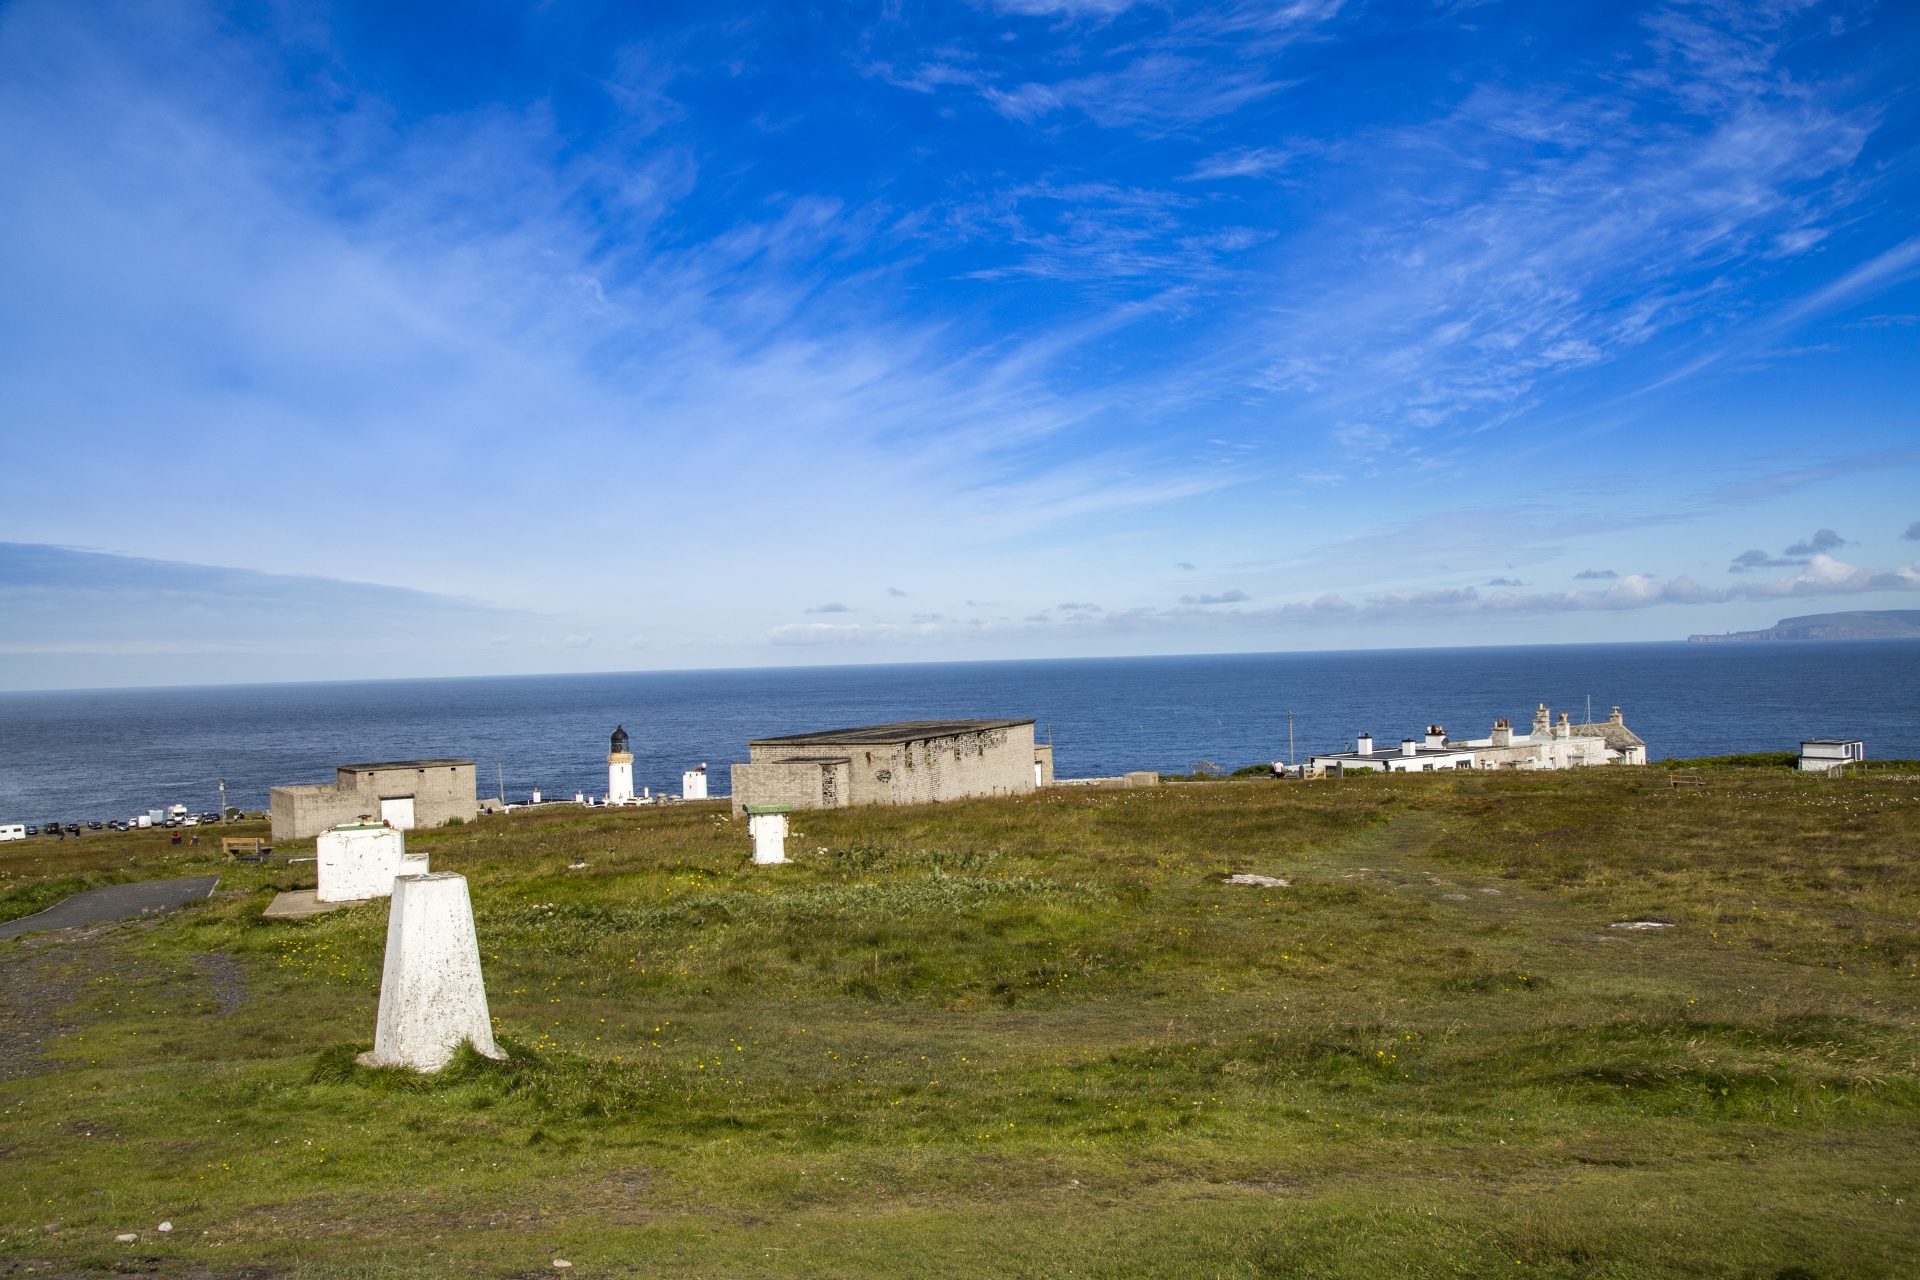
x=1551 y=745
x=402 y=793
x=1558 y=745
x=912 y=762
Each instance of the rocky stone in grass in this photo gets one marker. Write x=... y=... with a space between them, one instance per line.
x=432 y=997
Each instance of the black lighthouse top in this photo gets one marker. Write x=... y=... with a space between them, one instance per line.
x=619 y=739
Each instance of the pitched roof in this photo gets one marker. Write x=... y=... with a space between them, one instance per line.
x=1618 y=736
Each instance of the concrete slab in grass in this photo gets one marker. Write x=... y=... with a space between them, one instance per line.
x=297 y=904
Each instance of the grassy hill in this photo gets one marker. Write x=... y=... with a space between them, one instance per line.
x=1036 y=1037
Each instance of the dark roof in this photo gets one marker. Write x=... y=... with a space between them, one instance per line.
x=1395 y=753
x=406 y=764
x=900 y=731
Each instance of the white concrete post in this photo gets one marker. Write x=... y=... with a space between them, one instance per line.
x=358 y=860
x=767 y=824
x=431 y=993
x=693 y=784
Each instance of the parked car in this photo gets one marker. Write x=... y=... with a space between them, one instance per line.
x=94 y=826
x=33 y=831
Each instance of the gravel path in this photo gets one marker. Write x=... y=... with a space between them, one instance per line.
x=115 y=902
x=42 y=976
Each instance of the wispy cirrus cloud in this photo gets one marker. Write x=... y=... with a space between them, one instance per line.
x=1821 y=577
x=1576 y=227
x=1250 y=162
x=69 y=601
x=1158 y=89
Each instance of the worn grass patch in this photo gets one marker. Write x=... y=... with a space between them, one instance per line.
x=1032 y=1037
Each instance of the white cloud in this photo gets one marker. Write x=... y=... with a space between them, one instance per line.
x=1250 y=162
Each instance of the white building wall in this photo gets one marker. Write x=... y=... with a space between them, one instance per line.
x=360 y=862
x=620 y=778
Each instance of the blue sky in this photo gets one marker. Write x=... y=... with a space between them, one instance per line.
x=348 y=340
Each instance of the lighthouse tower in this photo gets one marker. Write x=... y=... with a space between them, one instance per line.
x=619 y=769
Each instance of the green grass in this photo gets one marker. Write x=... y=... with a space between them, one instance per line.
x=1035 y=1037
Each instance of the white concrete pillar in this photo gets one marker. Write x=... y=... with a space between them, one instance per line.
x=693 y=784
x=358 y=860
x=431 y=994
x=767 y=824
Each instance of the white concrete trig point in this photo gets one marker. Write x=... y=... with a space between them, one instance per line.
x=431 y=993
x=767 y=824
x=358 y=860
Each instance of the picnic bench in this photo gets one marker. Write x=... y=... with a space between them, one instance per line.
x=1685 y=780
x=245 y=848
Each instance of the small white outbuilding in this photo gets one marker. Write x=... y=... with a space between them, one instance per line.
x=767 y=824
x=1825 y=755
x=693 y=784
x=359 y=860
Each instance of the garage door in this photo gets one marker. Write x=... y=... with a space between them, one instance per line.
x=397 y=813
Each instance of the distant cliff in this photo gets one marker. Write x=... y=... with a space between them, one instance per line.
x=1861 y=624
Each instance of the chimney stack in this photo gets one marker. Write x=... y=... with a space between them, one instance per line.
x=1436 y=736
x=1409 y=746
x=1363 y=745
x=1502 y=733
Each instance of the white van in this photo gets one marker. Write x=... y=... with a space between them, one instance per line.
x=13 y=831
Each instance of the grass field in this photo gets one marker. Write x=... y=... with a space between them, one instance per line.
x=1034 y=1037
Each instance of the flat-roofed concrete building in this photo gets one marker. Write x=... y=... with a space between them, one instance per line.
x=402 y=793
x=911 y=762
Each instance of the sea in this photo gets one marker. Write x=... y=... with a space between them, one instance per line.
x=104 y=754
